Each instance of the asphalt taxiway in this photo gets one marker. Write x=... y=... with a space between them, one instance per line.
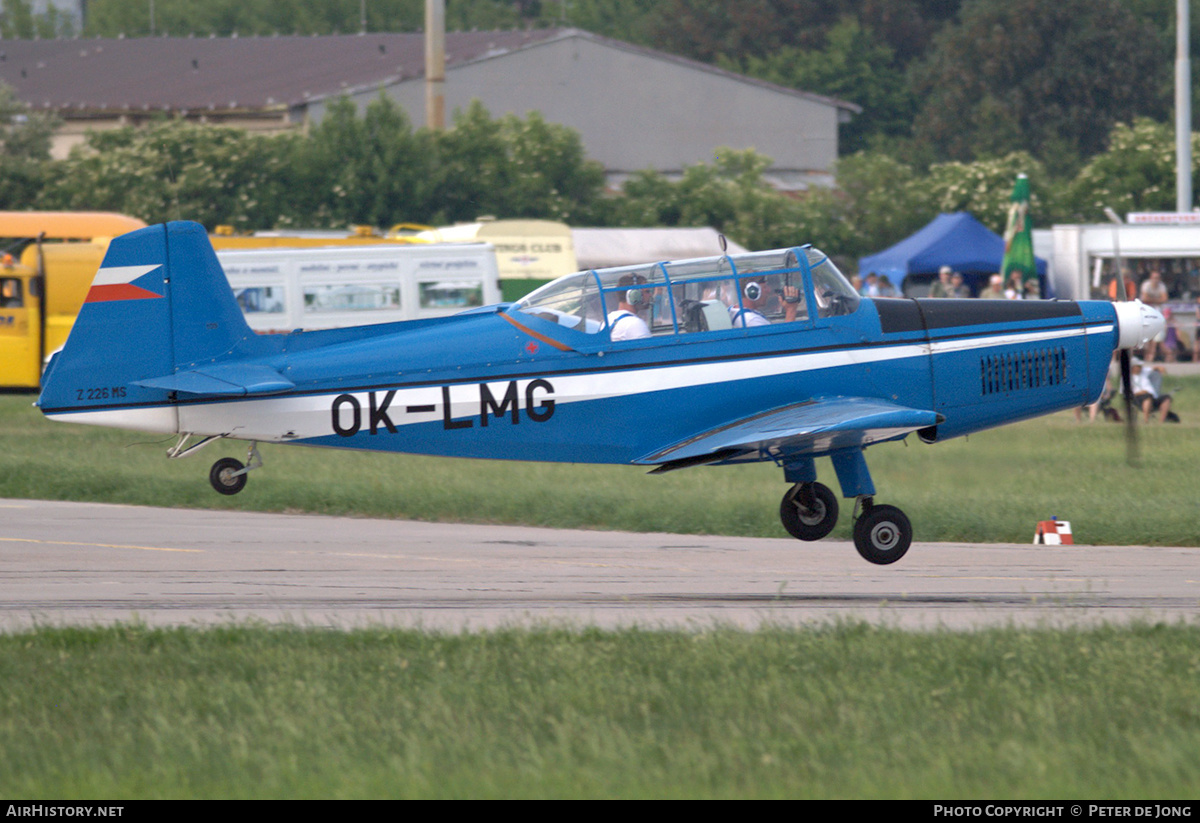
x=87 y=564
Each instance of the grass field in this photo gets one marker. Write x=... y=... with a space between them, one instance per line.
x=989 y=487
x=840 y=712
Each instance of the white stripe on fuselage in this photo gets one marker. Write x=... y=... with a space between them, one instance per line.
x=307 y=416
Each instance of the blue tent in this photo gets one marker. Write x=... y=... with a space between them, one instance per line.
x=956 y=240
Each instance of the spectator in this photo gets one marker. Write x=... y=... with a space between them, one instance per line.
x=1196 y=336
x=1130 y=288
x=941 y=286
x=995 y=288
x=1146 y=395
x=1015 y=290
x=1154 y=293
x=957 y=287
x=871 y=287
x=886 y=289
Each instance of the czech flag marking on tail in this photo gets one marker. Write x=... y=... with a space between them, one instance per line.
x=118 y=283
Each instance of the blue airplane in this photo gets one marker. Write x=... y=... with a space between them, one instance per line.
x=723 y=360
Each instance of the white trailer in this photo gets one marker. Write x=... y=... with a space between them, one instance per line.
x=1082 y=263
x=281 y=289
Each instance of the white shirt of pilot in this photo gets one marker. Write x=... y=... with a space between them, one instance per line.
x=625 y=325
x=747 y=318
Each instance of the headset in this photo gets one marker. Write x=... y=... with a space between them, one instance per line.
x=635 y=297
x=752 y=291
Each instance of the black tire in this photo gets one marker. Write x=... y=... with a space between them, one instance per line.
x=811 y=518
x=882 y=534
x=222 y=476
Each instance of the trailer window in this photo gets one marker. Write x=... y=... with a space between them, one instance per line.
x=11 y=296
x=353 y=297
x=260 y=299
x=451 y=294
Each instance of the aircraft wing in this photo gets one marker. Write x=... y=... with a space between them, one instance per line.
x=231 y=380
x=814 y=427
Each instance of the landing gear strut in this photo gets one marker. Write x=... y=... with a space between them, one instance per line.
x=809 y=511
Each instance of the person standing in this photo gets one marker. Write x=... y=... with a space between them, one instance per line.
x=995 y=288
x=941 y=286
x=1154 y=293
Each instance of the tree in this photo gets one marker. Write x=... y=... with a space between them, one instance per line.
x=1136 y=173
x=176 y=170
x=512 y=168
x=370 y=170
x=879 y=201
x=24 y=150
x=1047 y=78
x=18 y=21
x=852 y=65
x=983 y=188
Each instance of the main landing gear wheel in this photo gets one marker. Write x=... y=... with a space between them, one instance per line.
x=227 y=475
x=809 y=511
x=882 y=534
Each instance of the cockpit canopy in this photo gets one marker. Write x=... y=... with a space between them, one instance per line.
x=704 y=294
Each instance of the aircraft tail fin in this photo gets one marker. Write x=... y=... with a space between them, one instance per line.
x=159 y=305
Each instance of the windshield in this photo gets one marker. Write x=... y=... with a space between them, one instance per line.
x=834 y=293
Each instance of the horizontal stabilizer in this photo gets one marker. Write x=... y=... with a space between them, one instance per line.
x=228 y=380
x=812 y=428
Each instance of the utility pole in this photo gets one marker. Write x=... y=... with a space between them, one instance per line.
x=435 y=64
x=1183 y=109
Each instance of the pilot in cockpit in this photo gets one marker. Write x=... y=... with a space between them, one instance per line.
x=756 y=294
x=631 y=297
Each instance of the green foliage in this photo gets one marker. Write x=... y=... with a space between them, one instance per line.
x=1051 y=78
x=24 y=150
x=113 y=18
x=983 y=188
x=730 y=195
x=18 y=21
x=176 y=170
x=372 y=170
x=512 y=167
x=879 y=201
x=853 y=66
x=1136 y=173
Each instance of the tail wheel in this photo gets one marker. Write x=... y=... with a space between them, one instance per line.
x=809 y=511
x=227 y=475
x=882 y=534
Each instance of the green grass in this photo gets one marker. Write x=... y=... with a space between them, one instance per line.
x=992 y=486
x=845 y=711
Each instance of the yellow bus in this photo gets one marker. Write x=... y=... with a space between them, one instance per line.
x=46 y=267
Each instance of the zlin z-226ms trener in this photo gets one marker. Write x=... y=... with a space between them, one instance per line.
x=761 y=356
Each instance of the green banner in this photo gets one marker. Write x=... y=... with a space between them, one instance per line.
x=1018 y=237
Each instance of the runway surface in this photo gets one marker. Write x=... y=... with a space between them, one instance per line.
x=87 y=564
